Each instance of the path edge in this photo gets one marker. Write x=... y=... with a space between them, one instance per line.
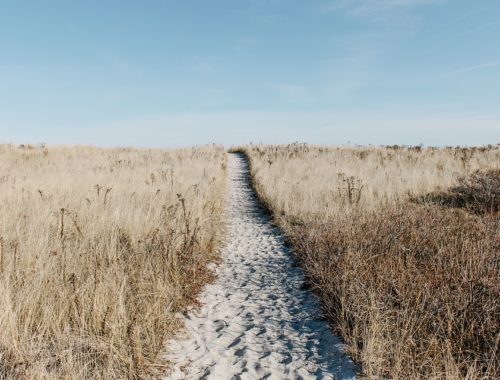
x=267 y=208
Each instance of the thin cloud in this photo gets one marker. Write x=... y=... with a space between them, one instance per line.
x=328 y=127
x=482 y=27
x=467 y=15
x=207 y=64
x=293 y=93
x=373 y=8
x=477 y=67
x=110 y=59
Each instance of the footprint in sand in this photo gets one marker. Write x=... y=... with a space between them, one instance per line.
x=273 y=329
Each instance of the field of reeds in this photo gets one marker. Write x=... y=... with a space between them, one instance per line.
x=401 y=244
x=99 y=248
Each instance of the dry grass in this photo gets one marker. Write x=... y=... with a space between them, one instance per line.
x=479 y=193
x=98 y=249
x=403 y=247
x=310 y=182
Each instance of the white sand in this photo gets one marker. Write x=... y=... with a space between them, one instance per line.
x=256 y=320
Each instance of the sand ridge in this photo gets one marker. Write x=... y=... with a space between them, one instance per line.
x=256 y=320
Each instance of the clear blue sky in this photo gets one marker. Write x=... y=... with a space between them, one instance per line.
x=174 y=73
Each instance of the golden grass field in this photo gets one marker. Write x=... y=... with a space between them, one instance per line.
x=98 y=249
x=402 y=245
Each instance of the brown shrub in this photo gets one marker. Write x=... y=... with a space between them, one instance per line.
x=414 y=290
x=478 y=193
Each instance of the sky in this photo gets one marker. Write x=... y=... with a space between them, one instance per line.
x=178 y=73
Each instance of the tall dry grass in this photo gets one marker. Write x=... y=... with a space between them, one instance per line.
x=314 y=181
x=98 y=249
x=402 y=245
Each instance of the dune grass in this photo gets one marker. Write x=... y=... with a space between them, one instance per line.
x=99 y=248
x=402 y=245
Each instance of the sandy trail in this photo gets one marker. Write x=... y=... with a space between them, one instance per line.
x=256 y=320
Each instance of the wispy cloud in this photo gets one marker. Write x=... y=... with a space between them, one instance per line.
x=207 y=65
x=375 y=8
x=468 y=15
x=293 y=93
x=111 y=59
x=477 y=67
x=483 y=27
x=238 y=127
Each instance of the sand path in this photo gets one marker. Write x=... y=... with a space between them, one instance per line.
x=256 y=320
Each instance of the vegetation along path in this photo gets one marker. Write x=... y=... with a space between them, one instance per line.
x=256 y=321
